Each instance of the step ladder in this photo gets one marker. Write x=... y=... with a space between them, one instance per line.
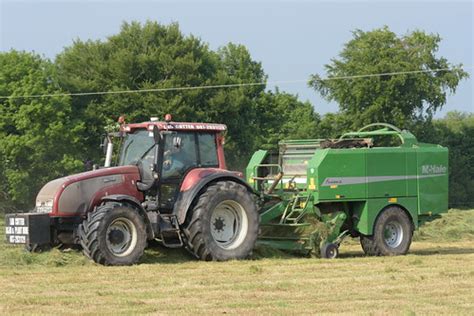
x=170 y=232
x=295 y=210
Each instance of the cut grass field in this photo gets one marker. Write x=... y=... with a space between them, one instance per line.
x=436 y=277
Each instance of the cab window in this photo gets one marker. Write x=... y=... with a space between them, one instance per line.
x=179 y=154
x=208 y=150
x=136 y=146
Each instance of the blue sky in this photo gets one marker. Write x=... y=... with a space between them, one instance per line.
x=292 y=39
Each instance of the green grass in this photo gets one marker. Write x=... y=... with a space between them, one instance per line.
x=436 y=277
x=452 y=226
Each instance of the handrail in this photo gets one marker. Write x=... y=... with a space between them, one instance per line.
x=393 y=127
x=405 y=136
x=276 y=179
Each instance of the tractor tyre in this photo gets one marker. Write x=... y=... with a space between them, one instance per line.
x=393 y=232
x=114 y=234
x=223 y=224
x=37 y=248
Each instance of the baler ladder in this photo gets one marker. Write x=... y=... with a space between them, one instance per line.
x=295 y=210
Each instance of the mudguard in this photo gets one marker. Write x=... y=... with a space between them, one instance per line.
x=195 y=181
x=122 y=198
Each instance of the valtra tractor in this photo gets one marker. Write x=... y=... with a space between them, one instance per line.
x=171 y=184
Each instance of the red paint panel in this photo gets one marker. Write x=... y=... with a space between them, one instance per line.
x=220 y=151
x=175 y=126
x=128 y=187
x=195 y=175
x=130 y=173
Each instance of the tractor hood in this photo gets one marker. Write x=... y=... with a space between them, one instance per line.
x=76 y=194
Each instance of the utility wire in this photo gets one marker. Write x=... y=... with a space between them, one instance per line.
x=234 y=85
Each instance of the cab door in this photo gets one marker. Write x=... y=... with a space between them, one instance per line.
x=179 y=156
x=182 y=152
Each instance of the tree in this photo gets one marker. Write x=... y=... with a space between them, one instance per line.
x=456 y=131
x=286 y=118
x=151 y=55
x=37 y=135
x=403 y=100
x=49 y=137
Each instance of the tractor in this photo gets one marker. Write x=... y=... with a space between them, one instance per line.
x=170 y=183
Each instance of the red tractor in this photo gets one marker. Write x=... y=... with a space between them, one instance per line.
x=170 y=184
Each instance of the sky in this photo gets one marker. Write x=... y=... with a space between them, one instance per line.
x=292 y=39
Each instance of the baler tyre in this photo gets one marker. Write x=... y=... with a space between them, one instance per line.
x=114 y=234
x=367 y=243
x=329 y=251
x=223 y=224
x=393 y=232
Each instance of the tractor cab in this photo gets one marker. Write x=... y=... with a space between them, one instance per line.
x=165 y=152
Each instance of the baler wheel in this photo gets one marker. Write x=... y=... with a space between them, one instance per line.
x=393 y=232
x=367 y=243
x=114 y=234
x=329 y=251
x=223 y=223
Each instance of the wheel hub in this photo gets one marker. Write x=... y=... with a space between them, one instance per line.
x=393 y=234
x=219 y=224
x=121 y=237
x=116 y=236
x=229 y=224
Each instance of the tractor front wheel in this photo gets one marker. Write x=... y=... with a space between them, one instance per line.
x=223 y=224
x=393 y=232
x=114 y=234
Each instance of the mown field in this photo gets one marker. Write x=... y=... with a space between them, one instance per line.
x=437 y=277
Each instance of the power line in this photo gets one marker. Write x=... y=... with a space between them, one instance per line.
x=234 y=85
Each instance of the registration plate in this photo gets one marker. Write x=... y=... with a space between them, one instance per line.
x=27 y=228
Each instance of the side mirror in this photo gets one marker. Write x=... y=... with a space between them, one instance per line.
x=177 y=142
x=103 y=143
x=156 y=134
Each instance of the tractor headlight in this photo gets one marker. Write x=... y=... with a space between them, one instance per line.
x=44 y=206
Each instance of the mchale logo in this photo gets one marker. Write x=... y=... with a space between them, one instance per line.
x=433 y=169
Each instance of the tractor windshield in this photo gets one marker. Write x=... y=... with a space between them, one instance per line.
x=137 y=146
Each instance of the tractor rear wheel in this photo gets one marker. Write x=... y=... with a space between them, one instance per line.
x=114 y=234
x=223 y=223
x=393 y=232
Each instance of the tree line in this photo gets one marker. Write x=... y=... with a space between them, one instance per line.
x=48 y=137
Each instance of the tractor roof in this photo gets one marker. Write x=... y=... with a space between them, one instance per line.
x=176 y=126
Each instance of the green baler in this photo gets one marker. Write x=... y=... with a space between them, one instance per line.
x=378 y=185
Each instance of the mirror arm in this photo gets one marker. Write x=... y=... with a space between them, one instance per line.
x=109 y=152
x=144 y=187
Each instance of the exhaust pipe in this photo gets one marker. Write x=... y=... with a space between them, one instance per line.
x=109 y=152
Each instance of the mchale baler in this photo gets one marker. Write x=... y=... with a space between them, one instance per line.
x=378 y=185
x=171 y=184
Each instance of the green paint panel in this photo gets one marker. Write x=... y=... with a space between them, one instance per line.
x=257 y=158
x=368 y=211
x=390 y=163
x=338 y=167
x=432 y=179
